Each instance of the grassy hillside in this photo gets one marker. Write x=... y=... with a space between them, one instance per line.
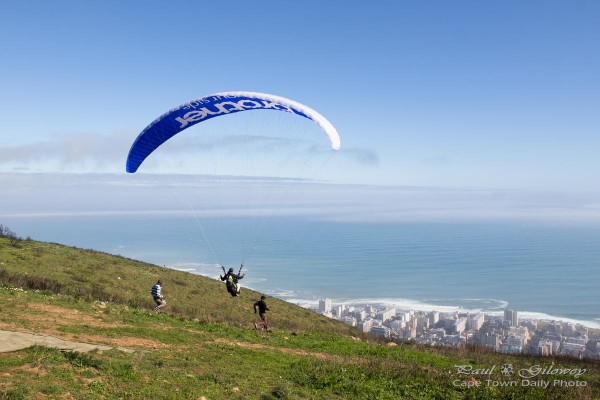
x=93 y=275
x=204 y=347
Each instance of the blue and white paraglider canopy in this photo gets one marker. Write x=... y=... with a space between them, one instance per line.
x=215 y=105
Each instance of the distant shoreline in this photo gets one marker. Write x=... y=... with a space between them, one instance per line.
x=174 y=247
x=415 y=305
x=593 y=327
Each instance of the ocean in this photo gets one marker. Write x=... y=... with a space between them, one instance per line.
x=549 y=271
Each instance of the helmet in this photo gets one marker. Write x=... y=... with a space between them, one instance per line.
x=230 y=269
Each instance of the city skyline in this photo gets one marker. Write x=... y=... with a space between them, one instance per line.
x=506 y=333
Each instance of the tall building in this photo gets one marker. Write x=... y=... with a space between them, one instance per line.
x=325 y=306
x=361 y=315
x=434 y=317
x=512 y=317
x=545 y=348
x=365 y=326
x=386 y=314
x=459 y=325
x=490 y=340
x=422 y=322
x=475 y=321
x=338 y=311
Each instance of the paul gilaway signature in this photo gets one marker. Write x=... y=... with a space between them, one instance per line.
x=526 y=373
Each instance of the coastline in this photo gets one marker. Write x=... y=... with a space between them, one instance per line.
x=450 y=262
x=491 y=307
x=413 y=305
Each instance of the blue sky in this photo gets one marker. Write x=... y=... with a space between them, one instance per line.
x=478 y=97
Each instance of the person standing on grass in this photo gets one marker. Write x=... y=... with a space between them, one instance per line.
x=262 y=312
x=159 y=299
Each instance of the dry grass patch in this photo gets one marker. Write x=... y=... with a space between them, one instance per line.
x=47 y=319
x=32 y=369
x=122 y=341
x=69 y=316
x=298 y=352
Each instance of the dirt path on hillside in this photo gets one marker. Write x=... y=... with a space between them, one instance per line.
x=13 y=341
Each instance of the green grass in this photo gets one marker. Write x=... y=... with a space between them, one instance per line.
x=204 y=347
x=92 y=275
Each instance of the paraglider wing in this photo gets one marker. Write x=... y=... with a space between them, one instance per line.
x=218 y=104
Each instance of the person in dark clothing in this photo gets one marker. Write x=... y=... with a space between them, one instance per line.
x=231 y=279
x=262 y=312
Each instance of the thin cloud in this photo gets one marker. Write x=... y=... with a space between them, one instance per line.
x=70 y=149
x=234 y=143
x=361 y=156
x=89 y=149
x=78 y=194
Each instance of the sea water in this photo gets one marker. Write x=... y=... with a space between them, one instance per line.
x=541 y=270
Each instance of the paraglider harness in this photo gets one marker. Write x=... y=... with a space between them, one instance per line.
x=231 y=280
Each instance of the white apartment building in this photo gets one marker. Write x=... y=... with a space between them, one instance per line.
x=422 y=322
x=338 y=311
x=397 y=324
x=409 y=333
x=545 y=348
x=521 y=331
x=403 y=315
x=325 y=306
x=365 y=325
x=361 y=315
x=492 y=340
x=434 y=317
x=459 y=325
x=475 y=321
x=387 y=314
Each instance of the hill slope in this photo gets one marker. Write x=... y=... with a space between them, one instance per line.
x=93 y=275
x=204 y=345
